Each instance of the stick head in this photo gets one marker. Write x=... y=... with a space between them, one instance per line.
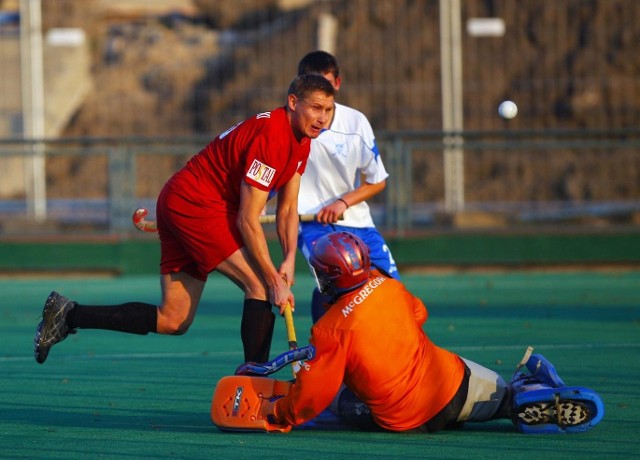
x=141 y=223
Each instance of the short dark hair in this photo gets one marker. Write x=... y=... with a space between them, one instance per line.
x=319 y=62
x=302 y=85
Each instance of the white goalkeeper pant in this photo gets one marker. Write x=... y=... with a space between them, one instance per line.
x=485 y=398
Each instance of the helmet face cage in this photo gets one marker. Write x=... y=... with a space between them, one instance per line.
x=322 y=281
x=340 y=262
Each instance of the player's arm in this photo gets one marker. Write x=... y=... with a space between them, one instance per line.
x=331 y=212
x=364 y=191
x=316 y=385
x=373 y=175
x=287 y=225
x=372 y=181
x=252 y=202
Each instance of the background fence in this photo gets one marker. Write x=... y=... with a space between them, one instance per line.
x=590 y=179
x=157 y=79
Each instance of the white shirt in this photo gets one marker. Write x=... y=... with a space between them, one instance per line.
x=338 y=158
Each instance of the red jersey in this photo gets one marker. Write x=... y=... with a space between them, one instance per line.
x=372 y=339
x=261 y=151
x=198 y=206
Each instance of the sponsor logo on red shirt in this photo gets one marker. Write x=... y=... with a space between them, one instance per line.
x=261 y=173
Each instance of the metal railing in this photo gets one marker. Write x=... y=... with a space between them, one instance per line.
x=510 y=179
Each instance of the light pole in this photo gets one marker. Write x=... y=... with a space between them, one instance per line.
x=452 y=103
x=31 y=63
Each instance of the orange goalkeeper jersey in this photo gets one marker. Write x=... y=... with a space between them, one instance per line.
x=372 y=340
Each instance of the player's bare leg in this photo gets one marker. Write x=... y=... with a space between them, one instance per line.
x=258 y=321
x=181 y=295
x=238 y=269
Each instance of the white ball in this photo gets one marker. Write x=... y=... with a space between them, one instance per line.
x=508 y=110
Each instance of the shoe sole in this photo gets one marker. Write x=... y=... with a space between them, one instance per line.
x=563 y=413
x=557 y=410
x=39 y=351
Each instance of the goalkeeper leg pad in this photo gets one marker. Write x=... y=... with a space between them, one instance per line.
x=237 y=399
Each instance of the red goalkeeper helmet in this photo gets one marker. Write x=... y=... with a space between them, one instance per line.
x=341 y=262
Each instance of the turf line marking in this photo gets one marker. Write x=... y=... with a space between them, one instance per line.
x=220 y=354
x=132 y=356
x=571 y=346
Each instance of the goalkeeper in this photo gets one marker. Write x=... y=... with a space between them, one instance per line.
x=396 y=378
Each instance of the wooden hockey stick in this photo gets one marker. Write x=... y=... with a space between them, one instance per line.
x=291 y=336
x=141 y=223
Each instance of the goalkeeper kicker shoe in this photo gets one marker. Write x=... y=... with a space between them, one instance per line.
x=557 y=410
x=544 y=371
x=53 y=326
x=543 y=404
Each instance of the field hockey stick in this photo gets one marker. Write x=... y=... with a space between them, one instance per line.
x=268 y=368
x=291 y=336
x=141 y=223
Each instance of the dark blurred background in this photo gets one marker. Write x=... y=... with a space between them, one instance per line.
x=130 y=89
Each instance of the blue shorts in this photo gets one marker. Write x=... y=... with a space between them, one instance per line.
x=380 y=254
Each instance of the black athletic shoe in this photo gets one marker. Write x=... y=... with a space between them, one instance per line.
x=53 y=326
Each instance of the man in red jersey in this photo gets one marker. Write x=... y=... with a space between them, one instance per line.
x=208 y=219
x=371 y=339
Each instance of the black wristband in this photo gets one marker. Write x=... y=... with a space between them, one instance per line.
x=347 y=204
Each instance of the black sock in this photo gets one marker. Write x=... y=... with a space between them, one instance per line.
x=132 y=317
x=256 y=330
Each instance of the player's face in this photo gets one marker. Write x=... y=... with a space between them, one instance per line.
x=311 y=114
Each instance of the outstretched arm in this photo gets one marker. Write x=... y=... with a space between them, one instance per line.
x=316 y=384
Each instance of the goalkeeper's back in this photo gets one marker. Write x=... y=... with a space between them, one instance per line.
x=370 y=338
x=389 y=361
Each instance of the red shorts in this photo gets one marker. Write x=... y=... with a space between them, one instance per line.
x=194 y=237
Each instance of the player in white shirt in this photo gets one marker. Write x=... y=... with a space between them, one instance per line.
x=344 y=169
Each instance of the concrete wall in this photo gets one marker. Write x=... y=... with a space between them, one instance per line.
x=67 y=78
x=67 y=81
